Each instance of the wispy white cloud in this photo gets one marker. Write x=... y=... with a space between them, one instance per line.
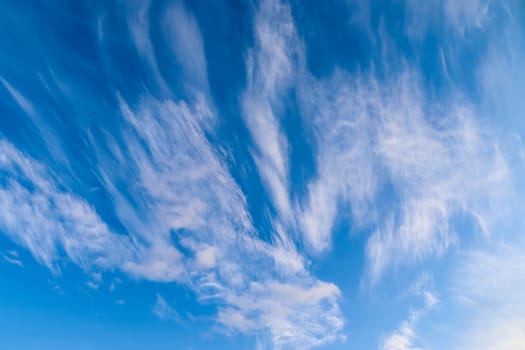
x=401 y=339
x=164 y=311
x=459 y=16
x=439 y=167
x=181 y=194
x=271 y=68
x=183 y=185
x=495 y=333
x=12 y=258
x=95 y=282
x=92 y=285
x=41 y=216
x=187 y=220
x=373 y=143
x=139 y=26
x=502 y=61
x=20 y=99
x=183 y=34
x=346 y=169
x=383 y=143
x=483 y=309
x=465 y=14
x=285 y=308
x=490 y=275
x=405 y=336
x=426 y=162
x=488 y=283
x=184 y=196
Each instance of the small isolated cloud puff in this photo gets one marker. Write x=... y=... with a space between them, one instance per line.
x=12 y=258
x=164 y=311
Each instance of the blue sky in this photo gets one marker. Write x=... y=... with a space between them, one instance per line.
x=262 y=174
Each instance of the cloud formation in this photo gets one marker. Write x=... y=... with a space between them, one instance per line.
x=405 y=337
x=20 y=99
x=38 y=214
x=164 y=311
x=271 y=68
x=401 y=166
x=380 y=142
x=12 y=258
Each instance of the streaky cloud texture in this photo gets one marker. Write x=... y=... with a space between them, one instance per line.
x=269 y=174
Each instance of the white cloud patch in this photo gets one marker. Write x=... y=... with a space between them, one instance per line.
x=182 y=34
x=186 y=219
x=207 y=257
x=183 y=196
x=401 y=339
x=285 y=308
x=178 y=194
x=92 y=285
x=182 y=187
x=345 y=160
x=495 y=334
x=484 y=307
x=468 y=13
x=459 y=16
x=164 y=311
x=405 y=336
x=438 y=168
x=41 y=216
x=373 y=137
x=433 y=161
x=12 y=258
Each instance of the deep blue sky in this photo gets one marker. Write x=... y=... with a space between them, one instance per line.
x=262 y=174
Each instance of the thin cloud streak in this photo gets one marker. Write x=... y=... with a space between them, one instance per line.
x=20 y=99
x=12 y=258
x=271 y=69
